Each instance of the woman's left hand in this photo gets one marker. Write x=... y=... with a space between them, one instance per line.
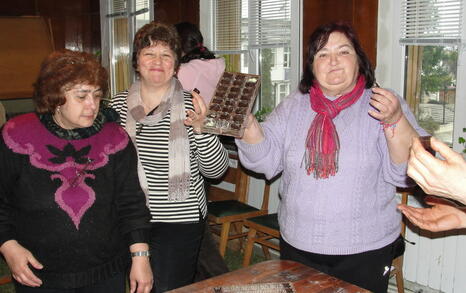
x=196 y=118
x=140 y=277
x=439 y=217
x=387 y=104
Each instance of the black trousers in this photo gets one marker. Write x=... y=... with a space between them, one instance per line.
x=115 y=284
x=369 y=270
x=175 y=249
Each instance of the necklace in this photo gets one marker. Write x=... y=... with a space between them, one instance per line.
x=80 y=174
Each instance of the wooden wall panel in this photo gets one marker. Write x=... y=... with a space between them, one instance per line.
x=75 y=23
x=24 y=43
x=18 y=8
x=365 y=14
x=174 y=11
x=361 y=14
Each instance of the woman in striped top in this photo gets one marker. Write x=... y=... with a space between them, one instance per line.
x=164 y=123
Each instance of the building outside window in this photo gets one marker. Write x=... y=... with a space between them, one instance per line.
x=282 y=90
x=286 y=57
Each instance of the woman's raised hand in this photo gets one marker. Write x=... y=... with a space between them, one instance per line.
x=253 y=132
x=439 y=177
x=18 y=259
x=387 y=104
x=196 y=118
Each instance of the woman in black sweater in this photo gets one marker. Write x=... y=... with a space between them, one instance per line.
x=71 y=208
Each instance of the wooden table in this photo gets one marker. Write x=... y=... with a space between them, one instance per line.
x=303 y=278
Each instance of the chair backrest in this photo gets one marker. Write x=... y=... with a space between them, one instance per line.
x=404 y=200
x=2 y=114
x=236 y=175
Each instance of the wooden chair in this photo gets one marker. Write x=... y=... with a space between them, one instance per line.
x=2 y=114
x=262 y=229
x=397 y=264
x=229 y=207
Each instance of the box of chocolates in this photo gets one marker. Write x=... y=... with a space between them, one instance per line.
x=231 y=103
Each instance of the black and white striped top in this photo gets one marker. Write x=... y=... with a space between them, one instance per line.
x=207 y=155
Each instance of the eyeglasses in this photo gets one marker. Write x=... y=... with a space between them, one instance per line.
x=76 y=180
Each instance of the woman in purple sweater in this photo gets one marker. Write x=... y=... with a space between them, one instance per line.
x=341 y=146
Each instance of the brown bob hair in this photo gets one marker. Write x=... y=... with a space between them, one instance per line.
x=151 y=34
x=319 y=39
x=62 y=70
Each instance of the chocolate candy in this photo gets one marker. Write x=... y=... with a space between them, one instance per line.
x=248 y=91
x=230 y=102
x=217 y=101
x=243 y=103
x=238 y=117
x=238 y=83
x=215 y=107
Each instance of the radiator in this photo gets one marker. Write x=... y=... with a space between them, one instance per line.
x=436 y=260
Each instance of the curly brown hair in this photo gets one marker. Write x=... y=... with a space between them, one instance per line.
x=151 y=34
x=62 y=70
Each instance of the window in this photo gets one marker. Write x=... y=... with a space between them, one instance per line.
x=431 y=32
x=283 y=90
x=120 y=19
x=431 y=87
x=273 y=57
x=286 y=57
x=255 y=36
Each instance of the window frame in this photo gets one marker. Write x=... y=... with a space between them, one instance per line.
x=107 y=37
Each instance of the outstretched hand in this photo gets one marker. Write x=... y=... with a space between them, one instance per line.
x=439 y=217
x=18 y=259
x=445 y=178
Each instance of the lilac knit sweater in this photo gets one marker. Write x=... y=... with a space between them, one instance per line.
x=352 y=212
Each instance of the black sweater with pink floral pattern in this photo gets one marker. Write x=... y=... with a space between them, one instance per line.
x=76 y=204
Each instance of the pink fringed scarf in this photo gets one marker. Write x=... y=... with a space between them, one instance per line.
x=322 y=143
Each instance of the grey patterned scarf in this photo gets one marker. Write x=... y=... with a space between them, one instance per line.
x=179 y=172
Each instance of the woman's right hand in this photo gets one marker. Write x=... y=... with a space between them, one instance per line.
x=253 y=132
x=18 y=259
x=445 y=178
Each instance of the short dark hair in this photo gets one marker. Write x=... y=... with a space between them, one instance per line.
x=62 y=70
x=192 y=42
x=155 y=32
x=319 y=39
